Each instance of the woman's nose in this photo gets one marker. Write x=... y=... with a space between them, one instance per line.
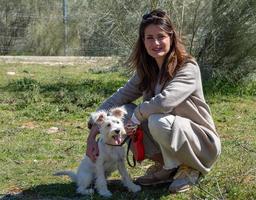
x=156 y=41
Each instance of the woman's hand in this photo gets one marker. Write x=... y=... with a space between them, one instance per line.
x=92 y=149
x=130 y=127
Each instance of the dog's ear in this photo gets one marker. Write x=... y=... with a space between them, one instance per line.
x=98 y=117
x=118 y=112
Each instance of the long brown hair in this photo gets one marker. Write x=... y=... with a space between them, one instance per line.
x=145 y=65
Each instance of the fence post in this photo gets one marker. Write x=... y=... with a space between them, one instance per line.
x=65 y=19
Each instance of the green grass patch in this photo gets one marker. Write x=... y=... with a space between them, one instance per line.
x=36 y=98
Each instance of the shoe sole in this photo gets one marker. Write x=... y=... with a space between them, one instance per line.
x=188 y=187
x=180 y=190
x=155 y=183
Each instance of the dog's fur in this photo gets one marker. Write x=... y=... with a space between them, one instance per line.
x=110 y=157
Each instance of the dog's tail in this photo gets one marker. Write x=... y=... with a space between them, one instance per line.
x=71 y=174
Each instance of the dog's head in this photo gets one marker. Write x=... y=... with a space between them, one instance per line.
x=111 y=125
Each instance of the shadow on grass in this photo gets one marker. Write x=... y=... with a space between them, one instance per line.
x=67 y=191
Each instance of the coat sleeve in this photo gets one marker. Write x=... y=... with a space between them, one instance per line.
x=126 y=94
x=175 y=92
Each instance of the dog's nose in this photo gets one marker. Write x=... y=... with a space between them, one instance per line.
x=117 y=131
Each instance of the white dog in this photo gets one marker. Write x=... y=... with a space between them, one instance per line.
x=110 y=157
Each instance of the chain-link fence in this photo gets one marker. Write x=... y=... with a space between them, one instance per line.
x=63 y=27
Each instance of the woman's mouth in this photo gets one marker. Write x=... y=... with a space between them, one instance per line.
x=157 y=49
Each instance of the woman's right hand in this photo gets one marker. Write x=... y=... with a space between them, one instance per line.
x=130 y=127
x=92 y=149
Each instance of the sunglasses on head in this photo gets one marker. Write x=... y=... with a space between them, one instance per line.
x=154 y=14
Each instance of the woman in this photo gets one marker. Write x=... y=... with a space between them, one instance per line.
x=179 y=132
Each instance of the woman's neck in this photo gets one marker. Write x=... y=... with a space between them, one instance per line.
x=159 y=62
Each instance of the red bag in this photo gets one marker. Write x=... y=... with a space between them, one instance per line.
x=138 y=146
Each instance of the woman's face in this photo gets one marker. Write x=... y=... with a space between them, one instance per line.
x=157 y=43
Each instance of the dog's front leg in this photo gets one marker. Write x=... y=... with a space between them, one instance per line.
x=101 y=182
x=126 y=178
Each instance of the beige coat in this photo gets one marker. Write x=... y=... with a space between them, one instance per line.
x=182 y=97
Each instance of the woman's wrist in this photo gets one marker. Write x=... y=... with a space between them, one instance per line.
x=135 y=120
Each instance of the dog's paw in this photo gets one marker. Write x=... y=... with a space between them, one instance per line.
x=105 y=193
x=85 y=191
x=135 y=188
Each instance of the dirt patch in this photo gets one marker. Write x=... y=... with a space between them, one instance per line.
x=58 y=60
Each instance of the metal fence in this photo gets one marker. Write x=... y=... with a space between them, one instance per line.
x=51 y=28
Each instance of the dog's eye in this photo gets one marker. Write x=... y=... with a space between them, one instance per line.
x=118 y=122
x=108 y=125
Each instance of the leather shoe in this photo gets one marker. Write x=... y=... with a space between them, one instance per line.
x=159 y=177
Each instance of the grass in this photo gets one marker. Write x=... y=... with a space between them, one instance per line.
x=43 y=115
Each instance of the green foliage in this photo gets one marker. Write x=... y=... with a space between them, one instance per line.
x=43 y=38
x=28 y=91
x=230 y=40
x=24 y=84
x=222 y=86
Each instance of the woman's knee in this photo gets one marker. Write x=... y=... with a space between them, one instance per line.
x=159 y=123
x=155 y=124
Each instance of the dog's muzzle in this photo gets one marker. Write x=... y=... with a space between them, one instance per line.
x=118 y=139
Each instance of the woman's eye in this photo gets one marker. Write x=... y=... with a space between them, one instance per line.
x=161 y=37
x=149 y=38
